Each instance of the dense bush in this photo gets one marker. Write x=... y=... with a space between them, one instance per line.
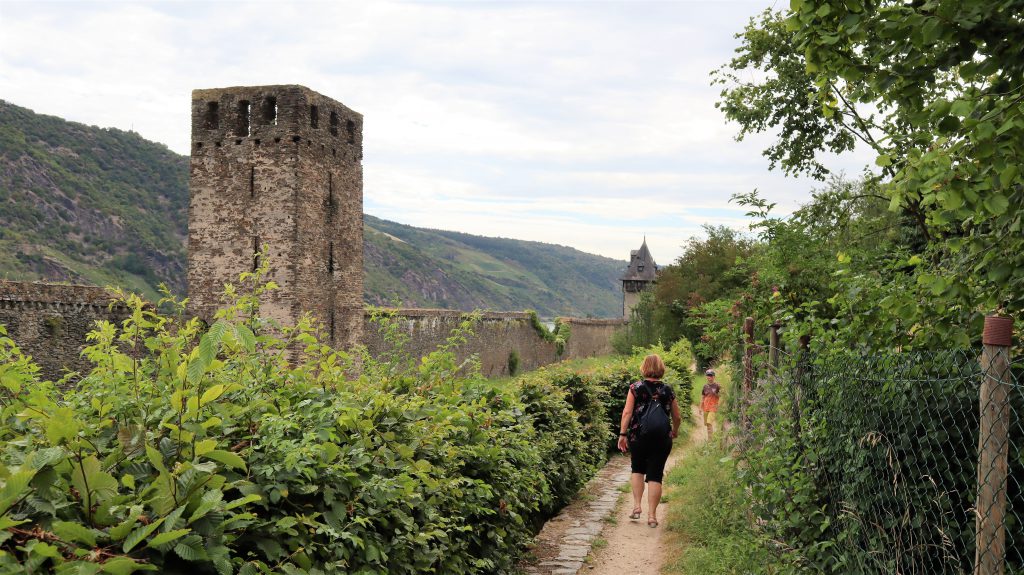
x=246 y=447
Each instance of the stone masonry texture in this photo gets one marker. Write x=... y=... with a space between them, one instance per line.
x=495 y=337
x=49 y=322
x=280 y=168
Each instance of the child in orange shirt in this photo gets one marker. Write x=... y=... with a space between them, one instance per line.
x=709 y=401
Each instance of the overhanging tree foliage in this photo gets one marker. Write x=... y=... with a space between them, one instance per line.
x=936 y=89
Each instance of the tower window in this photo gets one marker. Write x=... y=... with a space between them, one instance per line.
x=330 y=197
x=252 y=182
x=334 y=123
x=255 y=253
x=270 y=110
x=211 y=121
x=350 y=127
x=314 y=117
x=244 y=118
x=330 y=258
x=640 y=268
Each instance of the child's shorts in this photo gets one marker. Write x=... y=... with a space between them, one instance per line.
x=709 y=417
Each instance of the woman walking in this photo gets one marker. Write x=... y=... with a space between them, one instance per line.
x=645 y=432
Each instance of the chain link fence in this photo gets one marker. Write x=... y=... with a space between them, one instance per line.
x=869 y=463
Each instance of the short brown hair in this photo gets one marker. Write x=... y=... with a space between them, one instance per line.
x=653 y=367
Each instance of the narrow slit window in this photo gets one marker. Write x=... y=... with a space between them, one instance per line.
x=244 y=118
x=332 y=325
x=350 y=128
x=252 y=182
x=330 y=258
x=314 y=117
x=255 y=253
x=330 y=196
x=212 y=120
x=270 y=110
x=334 y=123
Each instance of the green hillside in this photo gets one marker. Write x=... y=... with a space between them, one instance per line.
x=92 y=205
x=102 y=206
x=415 y=266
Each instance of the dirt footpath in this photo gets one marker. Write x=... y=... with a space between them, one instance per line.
x=632 y=547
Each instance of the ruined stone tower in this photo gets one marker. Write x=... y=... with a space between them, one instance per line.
x=278 y=166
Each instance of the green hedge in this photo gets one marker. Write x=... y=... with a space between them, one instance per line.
x=222 y=450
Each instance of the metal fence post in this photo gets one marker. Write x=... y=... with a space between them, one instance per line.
x=798 y=385
x=748 y=365
x=993 y=447
x=773 y=347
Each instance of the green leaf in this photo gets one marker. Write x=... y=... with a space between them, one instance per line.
x=126 y=566
x=252 y=497
x=139 y=534
x=191 y=548
x=94 y=484
x=211 y=394
x=962 y=108
x=998 y=272
x=73 y=532
x=14 y=487
x=62 y=426
x=155 y=458
x=122 y=529
x=997 y=203
x=883 y=160
x=6 y=522
x=1008 y=176
x=246 y=336
x=228 y=458
x=168 y=537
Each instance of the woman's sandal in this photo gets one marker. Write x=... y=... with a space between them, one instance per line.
x=652 y=523
x=636 y=513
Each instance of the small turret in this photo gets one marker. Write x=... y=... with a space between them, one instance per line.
x=640 y=275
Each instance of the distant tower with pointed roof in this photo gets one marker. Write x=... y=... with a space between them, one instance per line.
x=640 y=275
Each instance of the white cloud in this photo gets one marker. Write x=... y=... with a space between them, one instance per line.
x=551 y=121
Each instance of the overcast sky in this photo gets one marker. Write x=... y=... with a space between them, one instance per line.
x=588 y=124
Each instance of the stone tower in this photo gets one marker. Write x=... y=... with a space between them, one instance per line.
x=281 y=167
x=640 y=275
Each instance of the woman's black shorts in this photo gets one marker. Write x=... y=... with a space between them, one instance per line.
x=648 y=457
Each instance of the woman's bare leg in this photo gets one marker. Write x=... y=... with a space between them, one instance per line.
x=653 y=499
x=637 y=482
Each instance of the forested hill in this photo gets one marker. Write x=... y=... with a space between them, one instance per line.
x=107 y=207
x=453 y=270
x=91 y=205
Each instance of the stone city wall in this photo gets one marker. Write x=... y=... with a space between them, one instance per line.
x=49 y=322
x=496 y=336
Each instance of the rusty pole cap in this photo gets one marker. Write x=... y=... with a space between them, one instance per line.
x=998 y=331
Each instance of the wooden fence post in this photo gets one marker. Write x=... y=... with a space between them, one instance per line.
x=748 y=365
x=773 y=347
x=993 y=447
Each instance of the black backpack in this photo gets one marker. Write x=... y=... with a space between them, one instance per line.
x=654 y=421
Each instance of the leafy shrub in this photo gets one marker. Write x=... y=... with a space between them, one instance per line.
x=513 y=363
x=559 y=335
x=246 y=447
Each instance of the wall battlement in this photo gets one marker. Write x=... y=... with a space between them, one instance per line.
x=50 y=322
